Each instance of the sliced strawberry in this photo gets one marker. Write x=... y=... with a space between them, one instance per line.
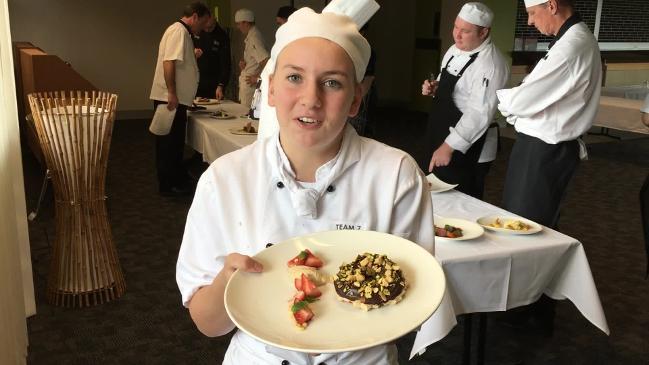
x=298 y=283
x=299 y=296
x=298 y=260
x=303 y=315
x=309 y=288
x=312 y=260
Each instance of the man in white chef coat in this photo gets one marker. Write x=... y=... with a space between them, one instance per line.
x=174 y=83
x=554 y=105
x=255 y=55
x=464 y=102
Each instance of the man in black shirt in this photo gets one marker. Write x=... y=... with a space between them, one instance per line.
x=214 y=64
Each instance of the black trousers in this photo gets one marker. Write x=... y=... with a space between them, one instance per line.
x=644 y=211
x=537 y=178
x=169 y=151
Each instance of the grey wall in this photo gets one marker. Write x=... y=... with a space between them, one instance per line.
x=114 y=45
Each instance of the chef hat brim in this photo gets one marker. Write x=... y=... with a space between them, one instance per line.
x=340 y=29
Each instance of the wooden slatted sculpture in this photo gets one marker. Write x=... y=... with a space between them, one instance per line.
x=75 y=131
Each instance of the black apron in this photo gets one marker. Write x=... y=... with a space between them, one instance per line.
x=443 y=115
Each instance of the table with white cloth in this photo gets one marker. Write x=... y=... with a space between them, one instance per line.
x=212 y=137
x=498 y=272
x=621 y=114
x=634 y=92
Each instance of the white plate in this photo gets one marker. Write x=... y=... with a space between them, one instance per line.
x=436 y=185
x=224 y=115
x=259 y=303
x=470 y=230
x=242 y=132
x=490 y=219
x=207 y=102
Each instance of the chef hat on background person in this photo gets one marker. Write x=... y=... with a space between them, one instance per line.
x=530 y=3
x=244 y=15
x=339 y=29
x=477 y=14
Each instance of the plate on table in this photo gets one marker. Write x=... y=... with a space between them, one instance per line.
x=436 y=185
x=509 y=224
x=220 y=114
x=241 y=131
x=470 y=230
x=258 y=303
x=205 y=101
x=196 y=108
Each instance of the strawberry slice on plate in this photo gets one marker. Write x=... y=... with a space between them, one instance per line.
x=298 y=260
x=312 y=260
x=309 y=288
x=302 y=313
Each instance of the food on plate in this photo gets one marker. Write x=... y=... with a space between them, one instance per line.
x=302 y=313
x=202 y=100
x=448 y=231
x=220 y=114
x=513 y=224
x=306 y=279
x=248 y=128
x=306 y=258
x=370 y=281
x=312 y=273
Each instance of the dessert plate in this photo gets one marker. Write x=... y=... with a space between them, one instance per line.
x=258 y=303
x=470 y=230
x=221 y=115
x=489 y=220
x=242 y=132
x=198 y=101
x=436 y=185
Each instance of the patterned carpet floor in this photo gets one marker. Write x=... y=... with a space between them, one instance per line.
x=148 y=325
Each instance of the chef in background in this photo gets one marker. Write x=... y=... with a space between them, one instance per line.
x=464 y=102
x=554 y=105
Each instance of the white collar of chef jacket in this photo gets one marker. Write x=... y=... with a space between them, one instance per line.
x=305 y=199
x=458 y=52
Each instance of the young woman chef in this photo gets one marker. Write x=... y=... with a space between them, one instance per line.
x=316 y=174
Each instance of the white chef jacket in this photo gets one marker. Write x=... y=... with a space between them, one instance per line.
x=645 y=107
x=176 y=45
x=558 y=100
x=475 y=95
x=254 y=51
x=239 y=207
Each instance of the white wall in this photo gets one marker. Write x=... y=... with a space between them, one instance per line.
x=114 y=45
x=13 y=219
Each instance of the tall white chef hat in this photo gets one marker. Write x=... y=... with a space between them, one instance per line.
x=244 y=15
x=338 y=28
x=530 y=3
x=477 y=13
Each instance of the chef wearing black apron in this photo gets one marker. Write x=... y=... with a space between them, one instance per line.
x=553 y=106
x=443 y=115
x=464 y=102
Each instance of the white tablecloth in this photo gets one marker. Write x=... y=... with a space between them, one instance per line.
x=621 y=114
x=497 y=272
x=634 y=92
x=212 y=137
